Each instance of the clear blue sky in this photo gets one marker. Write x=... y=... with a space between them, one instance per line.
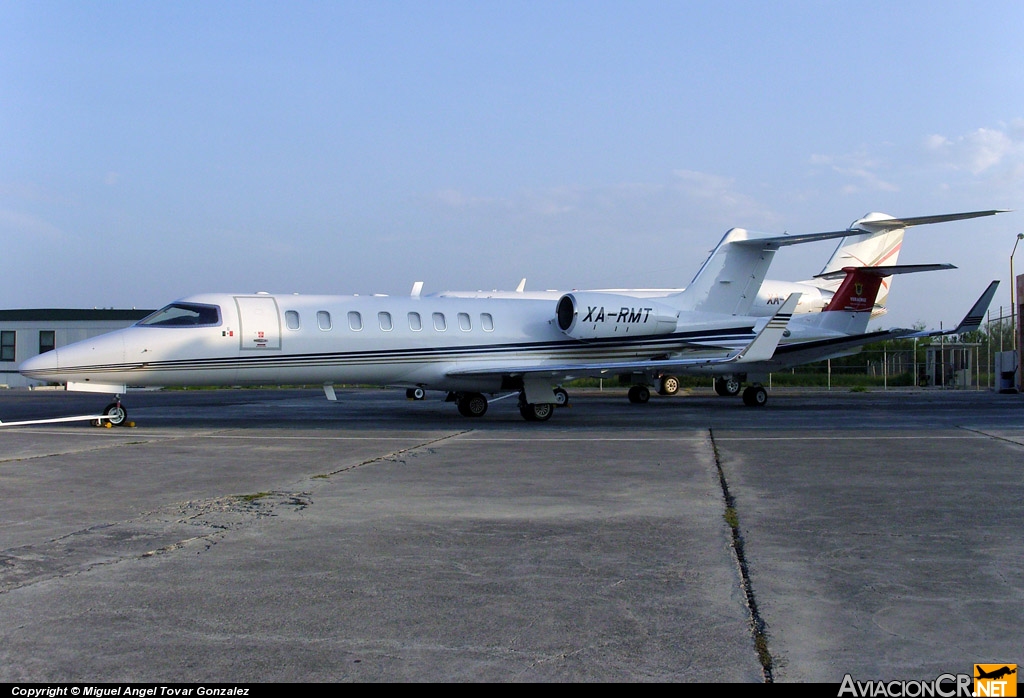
x=149 y=150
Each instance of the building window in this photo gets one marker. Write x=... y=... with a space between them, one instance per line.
x=47 y=341
x=415 y=323
x=7 y=345
x=323 y=319
x=355 y=320
x=487 y=322
x=464 y=324
x=385 y=321
x=291 y=319
x=439 y=322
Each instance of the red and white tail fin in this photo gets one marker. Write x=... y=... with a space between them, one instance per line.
x=875 y=240
x=859 y=288
x=857 y=292
x=850 y=308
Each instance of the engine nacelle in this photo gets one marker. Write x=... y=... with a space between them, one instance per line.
x=597 y=315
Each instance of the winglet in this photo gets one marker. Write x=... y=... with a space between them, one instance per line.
x=762 y=348
x=972 y=321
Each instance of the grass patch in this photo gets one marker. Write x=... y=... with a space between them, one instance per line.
x=252 y=497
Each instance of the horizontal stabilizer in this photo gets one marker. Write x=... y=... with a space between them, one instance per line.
x=887 y=271
x=893 y=223
x=868 y=227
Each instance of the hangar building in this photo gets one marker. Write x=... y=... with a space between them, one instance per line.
x=28 y=333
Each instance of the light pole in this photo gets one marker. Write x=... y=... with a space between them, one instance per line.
x=1013 y=310
x=1013 y=284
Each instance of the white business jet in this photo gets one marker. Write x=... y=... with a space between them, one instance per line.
x=874 y=241
x=467 y=347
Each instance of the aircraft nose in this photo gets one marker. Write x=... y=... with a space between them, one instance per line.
x=40 y=367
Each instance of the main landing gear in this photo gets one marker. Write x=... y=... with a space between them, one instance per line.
x=536 y=412
x=639 y=394
x=753 y=396
x=471 y=404
x=728 y=387
x=475 y=405
x=669 y=385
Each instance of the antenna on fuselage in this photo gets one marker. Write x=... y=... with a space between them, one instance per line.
x=417 y=289
x=522 y=286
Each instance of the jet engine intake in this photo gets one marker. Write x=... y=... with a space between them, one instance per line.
x=600 y=315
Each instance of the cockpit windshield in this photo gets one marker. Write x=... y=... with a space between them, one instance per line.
x=184 y=315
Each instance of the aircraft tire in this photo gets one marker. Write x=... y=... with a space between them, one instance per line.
x=117 y=413
x=537 y=412
x=472 y=405
x=639 y=394
x=561 y=397
x=755 y=396
x=727 y=387
x=669 y=385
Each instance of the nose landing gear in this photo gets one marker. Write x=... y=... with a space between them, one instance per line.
x=117 y=415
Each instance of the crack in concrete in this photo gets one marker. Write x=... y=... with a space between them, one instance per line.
x=147 y=535
x=161 y=531
x=393 y=456
x=757 y=625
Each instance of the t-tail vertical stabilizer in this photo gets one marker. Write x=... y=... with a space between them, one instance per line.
x=874 y=241
x=850 y=308
x=730 y=278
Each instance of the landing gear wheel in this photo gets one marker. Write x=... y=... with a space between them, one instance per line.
x=669 y=386
x=755 y=396
x=727 y=387
x=117 y=413
x=415 y=393
x=639 y=394
x=538 y=412
x=472 y=405
x=561 y=397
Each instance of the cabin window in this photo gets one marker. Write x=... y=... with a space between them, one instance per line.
x=439 y=322
x=487 y=322
x=47 y=341
x=291 y=319
x=7 y=345
x=415 y=323
x=464 y=324
x=184 y=315
x=323 y=320
x=355 y=320
x=385 y=321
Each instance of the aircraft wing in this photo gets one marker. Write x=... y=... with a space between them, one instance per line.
x=761 y=348
x=972 y=321
x=819 y=350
